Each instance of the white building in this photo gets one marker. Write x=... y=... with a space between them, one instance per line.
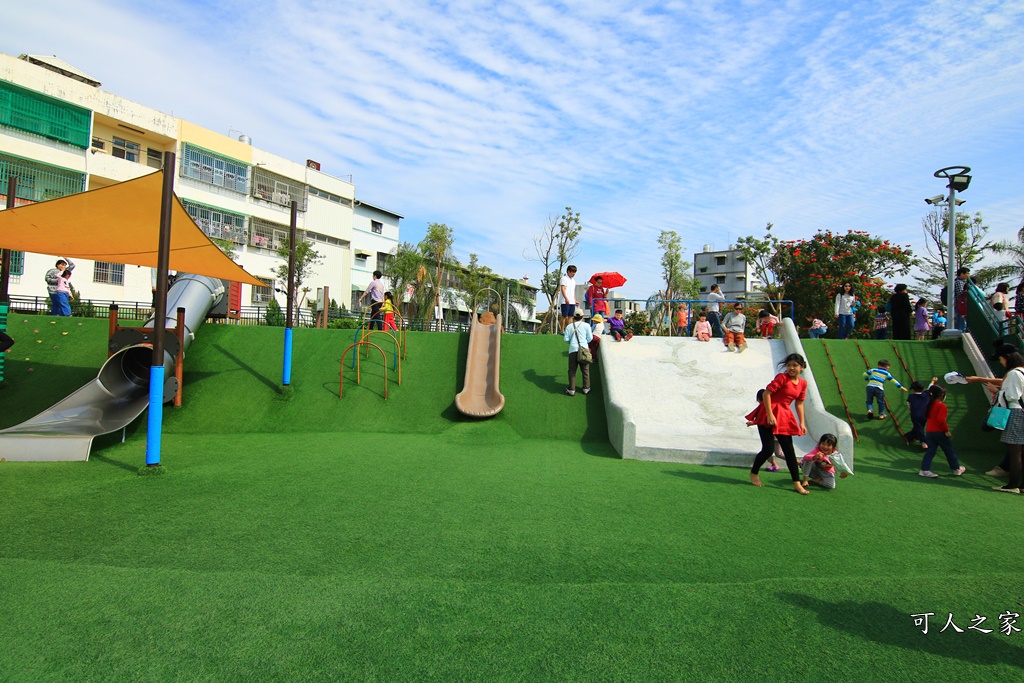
x=60 y=134
x=727 y=269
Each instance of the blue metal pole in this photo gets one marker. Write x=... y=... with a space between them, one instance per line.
x=286 y=375
x=156 y=370
x=156 y=415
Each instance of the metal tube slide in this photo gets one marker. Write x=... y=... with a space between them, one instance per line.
x=118 y=395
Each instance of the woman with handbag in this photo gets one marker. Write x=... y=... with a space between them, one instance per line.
x=578 y=336
x=1010 y=396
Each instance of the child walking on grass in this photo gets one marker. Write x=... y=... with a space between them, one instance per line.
x=753 y=418
x=819 y=466
x=917 y=402
x=876 y=379
x=937 y=435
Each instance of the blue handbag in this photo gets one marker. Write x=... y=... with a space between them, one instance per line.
x=998 y=416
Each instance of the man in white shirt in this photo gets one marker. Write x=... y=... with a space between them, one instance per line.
x=715 y=299
x=567 y=287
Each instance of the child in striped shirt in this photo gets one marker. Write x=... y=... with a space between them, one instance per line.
x=876 y=379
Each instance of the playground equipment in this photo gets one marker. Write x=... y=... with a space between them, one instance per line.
x=480 y=395
x=672 y=399
x=341 y=373
x=120 y=392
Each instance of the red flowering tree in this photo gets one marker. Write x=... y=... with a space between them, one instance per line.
x=812 y=272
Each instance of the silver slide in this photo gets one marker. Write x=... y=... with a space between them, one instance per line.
x=120 y=392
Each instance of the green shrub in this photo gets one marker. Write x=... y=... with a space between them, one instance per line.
x=274 y=316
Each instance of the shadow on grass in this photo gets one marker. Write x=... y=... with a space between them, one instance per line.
x=548 y=383
x=883 y=624
x=248 y=368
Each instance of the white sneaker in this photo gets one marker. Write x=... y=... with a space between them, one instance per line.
x=959 y=471
x=927 y=473
x=743 y=347
x=996 y=472
x=732 y=347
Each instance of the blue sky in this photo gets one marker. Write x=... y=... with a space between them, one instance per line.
x=707 y=118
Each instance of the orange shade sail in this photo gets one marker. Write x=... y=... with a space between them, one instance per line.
x=120 y=224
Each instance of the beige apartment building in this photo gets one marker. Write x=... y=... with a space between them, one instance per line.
x=60 y=134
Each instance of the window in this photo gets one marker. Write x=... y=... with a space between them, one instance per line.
x=17 y=263
x=703 y=270
x=108 y=273
x=125 y=149
x=377 y=227
x=154 y=158
x=263 y=295
x=324 y=194
x=720 y=279
x=208 y=167
x=267 y=234
x=217 y=223
x=719 y=260
x=98 y=144
x=278 y=189
x=38 y=114
x=703 y=288
x=382 y=260
x=37 y=182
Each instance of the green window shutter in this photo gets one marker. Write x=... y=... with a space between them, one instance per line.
x=36 y=113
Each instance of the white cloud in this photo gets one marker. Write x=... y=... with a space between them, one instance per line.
x=708 y=119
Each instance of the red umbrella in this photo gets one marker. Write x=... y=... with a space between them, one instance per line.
x=610 y=280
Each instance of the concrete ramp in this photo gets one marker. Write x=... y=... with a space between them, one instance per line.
x=675 y=399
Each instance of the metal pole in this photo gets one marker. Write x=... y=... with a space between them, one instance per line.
x=951 y=269
x=163 y=264
x=5 y=254
x=286 y=373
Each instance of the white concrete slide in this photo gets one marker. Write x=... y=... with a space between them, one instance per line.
x=675 y=399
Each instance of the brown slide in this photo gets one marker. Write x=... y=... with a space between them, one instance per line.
x=480 y=396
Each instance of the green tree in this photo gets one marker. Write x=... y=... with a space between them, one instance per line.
x=812 y=271
x=760 y=254
x=306 y=259
x=679 y=284
x=1014 y=251
x=226 y=246
x=439 y=261
x=971 y=247
x=554 y=247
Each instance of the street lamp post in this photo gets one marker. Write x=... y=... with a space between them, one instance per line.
x=959 y=180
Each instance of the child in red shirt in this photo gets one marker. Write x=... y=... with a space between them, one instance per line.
x=936 y=434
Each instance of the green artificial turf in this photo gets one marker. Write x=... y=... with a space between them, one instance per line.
x=298 y=536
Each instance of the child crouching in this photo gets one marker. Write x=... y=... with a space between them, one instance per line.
x=819 y=466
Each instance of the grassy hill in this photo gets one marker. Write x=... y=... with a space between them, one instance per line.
x=298 y=536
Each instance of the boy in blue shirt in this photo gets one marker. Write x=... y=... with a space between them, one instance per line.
x=876 y=379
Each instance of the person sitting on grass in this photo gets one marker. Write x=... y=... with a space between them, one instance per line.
x=819 y=466
x=618 y=326
x=876 y=379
